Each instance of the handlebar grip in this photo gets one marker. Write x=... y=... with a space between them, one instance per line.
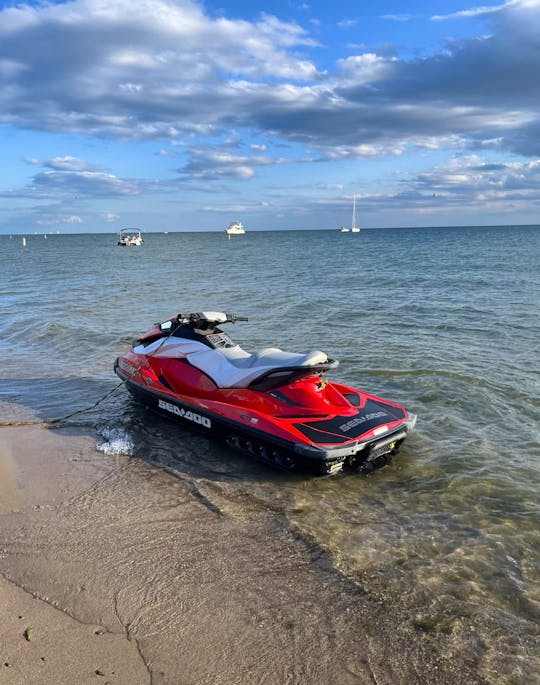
x=233 y=318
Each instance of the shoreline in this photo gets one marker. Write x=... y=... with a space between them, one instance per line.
x=184 y=583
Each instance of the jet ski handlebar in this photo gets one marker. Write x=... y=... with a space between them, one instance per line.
x=210 y=317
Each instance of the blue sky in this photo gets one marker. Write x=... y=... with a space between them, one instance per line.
x=183 y=115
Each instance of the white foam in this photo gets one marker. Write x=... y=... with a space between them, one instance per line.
x=117 y=441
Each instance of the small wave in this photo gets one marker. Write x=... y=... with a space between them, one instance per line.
x=117 y=441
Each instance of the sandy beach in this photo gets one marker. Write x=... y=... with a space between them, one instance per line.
x=113 y=570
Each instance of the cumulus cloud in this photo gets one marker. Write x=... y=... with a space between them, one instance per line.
x=123 y=68
x=70 y=177
x=87 y=183
x=165 y=70
x=56 y=218
x=470 y=181
x=109 y=217
x=363 y=69
x=65 y=164
x=211 y=164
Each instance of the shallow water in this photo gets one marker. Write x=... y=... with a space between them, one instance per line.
x=445 y=321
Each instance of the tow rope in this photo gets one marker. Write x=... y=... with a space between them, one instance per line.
x=57 y=423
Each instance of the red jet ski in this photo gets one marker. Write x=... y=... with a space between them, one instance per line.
x=275 y=406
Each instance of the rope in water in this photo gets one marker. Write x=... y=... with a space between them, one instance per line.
x=57 y=423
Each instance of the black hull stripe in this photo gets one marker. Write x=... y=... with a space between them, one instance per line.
x=220 y=424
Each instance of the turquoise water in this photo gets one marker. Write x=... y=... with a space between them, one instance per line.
x=444 y=321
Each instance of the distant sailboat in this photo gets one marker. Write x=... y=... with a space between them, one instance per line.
x=354 y=227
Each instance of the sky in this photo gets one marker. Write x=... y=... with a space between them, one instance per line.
x=172 y=115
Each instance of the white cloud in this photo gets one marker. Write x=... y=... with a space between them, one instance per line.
x=477 y=11
x=221 y=164
x=55 y=219
x=363 y=69
x=109 y=217
x=165 y=70
x=69 y=164
x=89 y=183
x=134 y=68
x=69 y=177
x=471 y=178
x=397 y=17
x=348 y=23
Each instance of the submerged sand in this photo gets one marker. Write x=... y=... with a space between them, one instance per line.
x=125 y=573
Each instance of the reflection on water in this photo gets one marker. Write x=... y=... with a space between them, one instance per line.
x=444 y=322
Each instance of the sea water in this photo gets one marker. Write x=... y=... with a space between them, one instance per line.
x=444 y=321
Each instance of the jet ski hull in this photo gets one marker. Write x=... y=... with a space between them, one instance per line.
x=273 y=426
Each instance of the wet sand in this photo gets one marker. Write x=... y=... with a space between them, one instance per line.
x=125 y=573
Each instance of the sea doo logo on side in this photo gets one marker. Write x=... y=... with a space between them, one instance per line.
x=188 y=415
x=345 y=427
x=127 y=367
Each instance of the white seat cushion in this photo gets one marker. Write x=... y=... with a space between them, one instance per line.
x=239 y=372
x=276 y=357
x=229 y=367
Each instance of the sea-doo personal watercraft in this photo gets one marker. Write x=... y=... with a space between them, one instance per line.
x=272 y=405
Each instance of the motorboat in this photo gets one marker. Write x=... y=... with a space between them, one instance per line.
x=275 y=406
x=235 y=228
x=130 y=237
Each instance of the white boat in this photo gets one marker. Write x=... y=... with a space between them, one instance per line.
x=344 y=229
x=235 y=228
x=130 y=237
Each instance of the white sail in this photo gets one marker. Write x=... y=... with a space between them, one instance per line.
x=354 y=227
